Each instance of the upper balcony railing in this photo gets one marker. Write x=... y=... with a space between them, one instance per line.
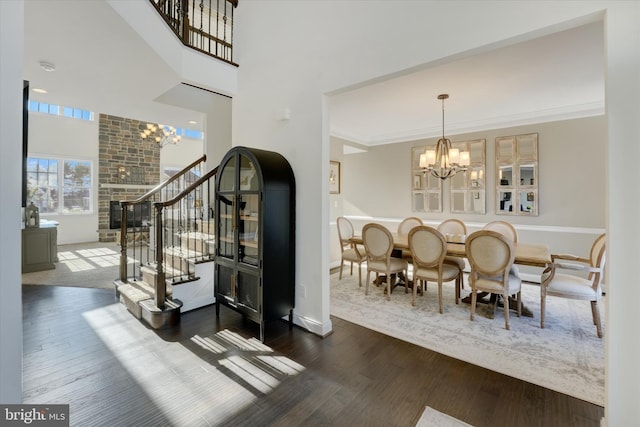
x=204 y=25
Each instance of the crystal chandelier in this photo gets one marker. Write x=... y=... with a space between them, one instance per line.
x=444 y=161
x=161 y=134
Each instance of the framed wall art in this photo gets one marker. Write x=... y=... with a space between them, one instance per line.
x=334 y=177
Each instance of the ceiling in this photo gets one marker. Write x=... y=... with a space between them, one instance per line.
x=103 y=65
x=555 y=77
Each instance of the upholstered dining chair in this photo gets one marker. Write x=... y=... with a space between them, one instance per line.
x=508 y=230
x=503 y=227
x=378 y=244
x=405 y=226
x=428 y=248
x=491 y=255
x=573 y=286
x=350 y=251
x=454 y=226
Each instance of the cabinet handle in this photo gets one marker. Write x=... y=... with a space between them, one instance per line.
x=233 y=215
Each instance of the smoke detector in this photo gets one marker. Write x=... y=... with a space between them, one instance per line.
x=47 y=66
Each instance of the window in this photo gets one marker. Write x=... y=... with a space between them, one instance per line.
x=60 y=186
x=58 y=110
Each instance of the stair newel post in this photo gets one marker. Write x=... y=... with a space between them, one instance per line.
x=185 y=22
x=160 y=285
x=123 y=242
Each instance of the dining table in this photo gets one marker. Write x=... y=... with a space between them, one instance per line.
x=525 y=253
x=534 y=255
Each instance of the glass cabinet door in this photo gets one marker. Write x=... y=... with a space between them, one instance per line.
x=247 y=292
x=226 y=225
x=249 y=232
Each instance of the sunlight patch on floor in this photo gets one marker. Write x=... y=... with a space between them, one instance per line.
x=90 y=259
x=242 y=369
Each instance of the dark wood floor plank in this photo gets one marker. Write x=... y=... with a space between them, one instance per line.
x=175 y=377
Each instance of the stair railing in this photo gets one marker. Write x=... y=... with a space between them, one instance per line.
x=136 y=234
x=204 y=25
x=183 y=224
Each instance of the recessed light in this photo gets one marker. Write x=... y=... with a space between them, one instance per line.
x=37 y=90
x=47 y=66
x=192 y=122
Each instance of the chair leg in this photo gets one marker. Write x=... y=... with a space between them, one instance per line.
x=440 y=295
x=505 y=304
x=351 y=271
x=458 y=284
x=415 y=291
x=474 y=297
x=388 y=286
x=519 y=303
x=360 y=275
x=341 y=265
x=543 y=299
x=596 y=317
x=366 y=288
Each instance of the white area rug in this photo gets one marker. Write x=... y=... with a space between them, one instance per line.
x=432 y=418
x=566 y=356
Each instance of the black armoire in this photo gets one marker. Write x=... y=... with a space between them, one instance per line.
x=255 y=235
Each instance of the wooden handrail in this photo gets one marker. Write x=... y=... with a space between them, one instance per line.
x=188 y=190
x=160 y=186
x=180 y=18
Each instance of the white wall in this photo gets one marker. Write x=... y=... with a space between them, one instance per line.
x=11 y=57
x=319 y=47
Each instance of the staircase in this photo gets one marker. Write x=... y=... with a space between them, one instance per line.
x=169 y=270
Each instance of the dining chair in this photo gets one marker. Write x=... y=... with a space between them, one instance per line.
x=454 y=226
x=503 y=227
x=573 y=286
x=491 y=255
x=350 y=251
x=428 y=249
x=508 y=230
x=378 y=244
x=405 y=226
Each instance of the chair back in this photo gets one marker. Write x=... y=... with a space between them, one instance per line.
x=504 y=228
x=407 y=224
x=598 y=258
x=452 y=226
x=378 y=242
x=428 y=246
x=490 y=254
x=345 y=231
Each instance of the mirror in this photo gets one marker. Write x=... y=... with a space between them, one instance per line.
x=426 y=189
x=517 y=174
x=467 y=188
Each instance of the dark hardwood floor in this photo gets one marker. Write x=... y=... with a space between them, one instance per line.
x=81 y=347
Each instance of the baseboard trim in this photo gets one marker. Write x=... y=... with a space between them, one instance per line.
x=313 y=326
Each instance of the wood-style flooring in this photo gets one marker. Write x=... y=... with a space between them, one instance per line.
x=81 y=349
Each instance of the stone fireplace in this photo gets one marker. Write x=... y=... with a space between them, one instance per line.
x=129 y=166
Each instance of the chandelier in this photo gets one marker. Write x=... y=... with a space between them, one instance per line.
x=444 y=161
x=161 y=134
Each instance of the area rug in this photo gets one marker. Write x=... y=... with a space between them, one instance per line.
x=565 y=356
x=85 y=265
x=432 y=418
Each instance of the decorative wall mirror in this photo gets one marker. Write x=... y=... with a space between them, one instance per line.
x=426 y=189
x=468 y=188
x=517 y=175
